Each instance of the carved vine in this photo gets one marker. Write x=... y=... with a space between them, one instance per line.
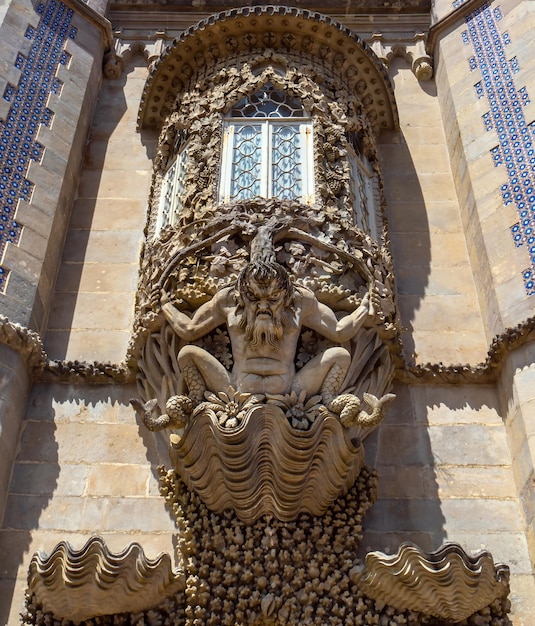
x=200 y=109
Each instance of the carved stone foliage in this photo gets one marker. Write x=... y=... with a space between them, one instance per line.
x=81 y=584
x=448 y=583
x=267 y=326
x=335 y=109
x=283 y=30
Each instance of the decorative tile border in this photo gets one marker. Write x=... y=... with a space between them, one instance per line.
x=516 y=149
x=28 y=110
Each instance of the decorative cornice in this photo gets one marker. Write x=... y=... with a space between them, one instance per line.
x=88 y=372
x=29 y=345
x=266 y=27
x=486 y=372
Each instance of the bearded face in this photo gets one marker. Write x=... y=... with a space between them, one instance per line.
x=262 y=318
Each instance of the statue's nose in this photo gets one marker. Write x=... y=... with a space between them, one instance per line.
x=263 y=305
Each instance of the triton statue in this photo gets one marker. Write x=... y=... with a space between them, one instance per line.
x=264 y=314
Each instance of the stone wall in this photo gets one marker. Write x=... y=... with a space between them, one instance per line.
x=455 y=461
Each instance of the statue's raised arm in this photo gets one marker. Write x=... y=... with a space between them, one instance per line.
x=319 y=317
x=207 y=317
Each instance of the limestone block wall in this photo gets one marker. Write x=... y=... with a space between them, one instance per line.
x=83 y=468
x=436 y=290
x=517 y=391
x=49 y=79
x=45 y=116
x=445 y=473
x=485 y=79
x=92 y=312
x=14 y=388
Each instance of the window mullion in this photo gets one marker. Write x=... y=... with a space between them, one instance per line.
x=227 y=153
x=266 y=169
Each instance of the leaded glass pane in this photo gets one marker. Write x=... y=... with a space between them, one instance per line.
x=286 y=166
x=178 y=192
x=268 y=102
x=246 y=162
x=166 y=197
x=172 y=192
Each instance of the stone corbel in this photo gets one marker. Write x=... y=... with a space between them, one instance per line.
x=413 y=52
x=383 y=51
x=113 y=64
x=421 y=62
x=122 y=52
x=155 y=48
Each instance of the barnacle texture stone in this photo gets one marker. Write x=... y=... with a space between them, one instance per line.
x=270 y=572
x=264 y=466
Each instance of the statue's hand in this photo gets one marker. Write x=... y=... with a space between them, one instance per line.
x=374 y=304
x=164 y=297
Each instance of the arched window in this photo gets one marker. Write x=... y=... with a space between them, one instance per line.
x=267 y=149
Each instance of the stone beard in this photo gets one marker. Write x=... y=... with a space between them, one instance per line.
x=263 y=330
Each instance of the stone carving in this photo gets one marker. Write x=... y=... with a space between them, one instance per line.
x=264 y=314
x=24 y=341
x=336 y=111
x=81 y=584
x=249 y=340
x=287 y=31
x=113 y=65
x=305 y=571
x=264 y=466
x=448 y=583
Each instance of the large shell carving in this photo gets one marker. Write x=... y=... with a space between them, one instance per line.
x=81 y=584
x=264 y=466
x=448 y=583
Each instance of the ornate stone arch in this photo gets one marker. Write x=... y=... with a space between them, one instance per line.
x=287 y=30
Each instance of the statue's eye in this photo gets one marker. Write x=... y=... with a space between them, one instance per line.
x=251 y=296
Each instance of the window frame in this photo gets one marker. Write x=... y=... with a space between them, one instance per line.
x=267 y=126
x=362 y=171
x=172 y=190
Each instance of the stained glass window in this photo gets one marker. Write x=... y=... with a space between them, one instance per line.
x=267 y=149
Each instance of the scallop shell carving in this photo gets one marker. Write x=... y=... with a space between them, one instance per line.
x=264 y=466
x=81 y=584
x=448 y=583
